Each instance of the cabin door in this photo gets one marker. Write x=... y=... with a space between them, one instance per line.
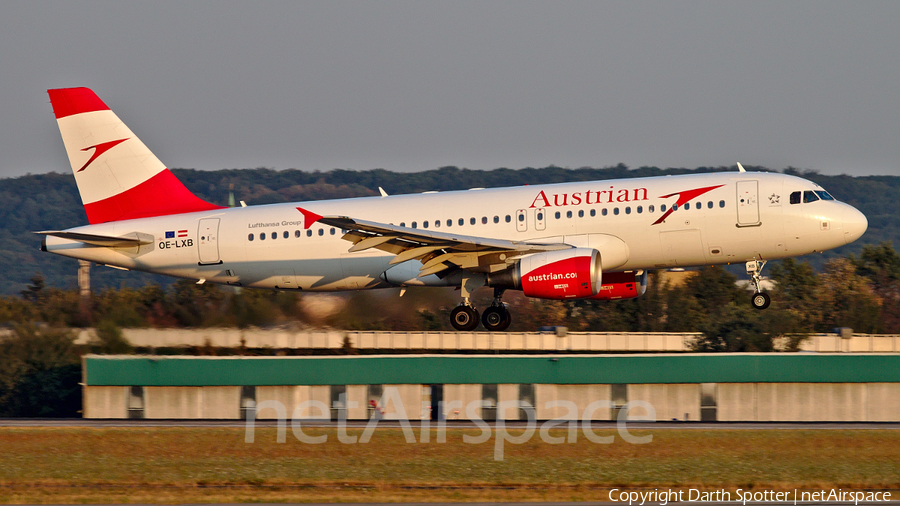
x=747 y=203
x=208 y=241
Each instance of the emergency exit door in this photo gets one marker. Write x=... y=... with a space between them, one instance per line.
x=208 y=241
x=747 y=203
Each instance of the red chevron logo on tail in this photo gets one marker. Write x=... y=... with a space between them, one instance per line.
x=99 y=149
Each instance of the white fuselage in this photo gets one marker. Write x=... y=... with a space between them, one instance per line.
x=746 y=216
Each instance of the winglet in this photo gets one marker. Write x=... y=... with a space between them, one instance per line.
x=309 y=217
x=383 y=193
x=741 y=167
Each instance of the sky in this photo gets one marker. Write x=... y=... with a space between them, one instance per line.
x=414 y=86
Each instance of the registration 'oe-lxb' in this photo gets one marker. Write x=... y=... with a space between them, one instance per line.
x=588 y=240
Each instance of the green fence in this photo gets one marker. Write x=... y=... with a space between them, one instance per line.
x=555 y=369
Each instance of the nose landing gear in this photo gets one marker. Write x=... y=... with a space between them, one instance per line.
x=759 y=300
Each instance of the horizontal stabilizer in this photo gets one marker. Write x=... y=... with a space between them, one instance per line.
x=135 y=239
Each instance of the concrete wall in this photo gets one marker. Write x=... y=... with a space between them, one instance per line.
x=581 y=395
x=876 y=402
x=671 y=402
x=192 y=402
x=106 y=402
x=485 y=341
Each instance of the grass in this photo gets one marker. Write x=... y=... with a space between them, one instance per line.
x=70 y=465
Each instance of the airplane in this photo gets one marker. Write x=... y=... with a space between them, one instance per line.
x=581 y=240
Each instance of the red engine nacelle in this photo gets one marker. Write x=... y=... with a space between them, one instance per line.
x=622 y=285
x=565 y=274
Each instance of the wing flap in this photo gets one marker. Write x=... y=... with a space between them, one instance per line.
x=438 y=251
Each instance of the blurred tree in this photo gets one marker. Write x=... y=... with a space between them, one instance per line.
x=847 y=299
x=40 y=372
x=110 y=340
x=736 y=327
x=881 y=265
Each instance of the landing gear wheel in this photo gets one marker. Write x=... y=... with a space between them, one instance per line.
x=496 y=318
x=464 y=318
x=760 y=300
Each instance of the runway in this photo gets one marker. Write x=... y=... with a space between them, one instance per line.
x=732 y=503
x=450 y=424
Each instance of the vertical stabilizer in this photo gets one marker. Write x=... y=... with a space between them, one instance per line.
x=117 y=176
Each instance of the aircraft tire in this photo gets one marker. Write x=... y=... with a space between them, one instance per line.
x=496 y=318
x=464 y=318
x=760 y=300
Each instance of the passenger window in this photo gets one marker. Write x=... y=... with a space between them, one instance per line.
x=721 y=203
x=332 y=231
x=568 y=214
x=484 y=220
x=286 y=234
x=471 y=221
x=274 y=235
x=604 y=212
x=262 y=236
x=522 y=217
x=540 y=216
x=508 y=218
x=461 y=222
x=450 y=223
x=402 y=223
x=425 y=224
x=709 y=204
x=309 y=233
x=640 y=209
x=437 y=223
x=593 y=213
x=662 y=208
x=650 y=208
x=296 y=233
x=496 y=219
x=687 y=206
x=581 y=213
x=558 y=215
x=415 y=225
x=616 y=211
x=321 y=231
x=809 y=196
x=628 y=210
x=795 y=198
x=674 y=207
x=250 y=237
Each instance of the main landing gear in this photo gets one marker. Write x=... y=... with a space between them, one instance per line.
x=759 y=300
x=464 y=317
x=496 y=318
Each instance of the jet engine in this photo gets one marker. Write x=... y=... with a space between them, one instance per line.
x=622 y=285
x=564 y=274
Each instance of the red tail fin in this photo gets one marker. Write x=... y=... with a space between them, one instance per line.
x=117 y=176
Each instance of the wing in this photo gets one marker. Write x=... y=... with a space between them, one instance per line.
x=438 y=251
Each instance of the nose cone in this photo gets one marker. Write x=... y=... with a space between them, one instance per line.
x=855 y=224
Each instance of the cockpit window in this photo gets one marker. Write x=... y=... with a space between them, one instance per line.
x=795 y=197
x=824 y=195
x=809 y=196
